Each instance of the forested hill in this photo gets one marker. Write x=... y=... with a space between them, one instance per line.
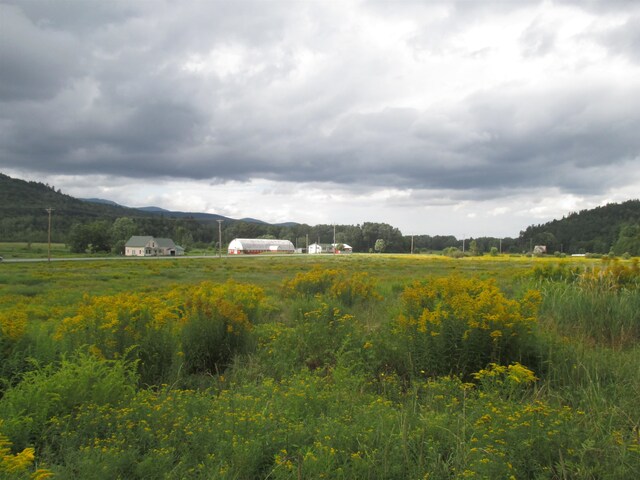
x=613 y=227
x=100 y=227
x=23 y=215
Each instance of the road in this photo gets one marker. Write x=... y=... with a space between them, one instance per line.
x=92 y=259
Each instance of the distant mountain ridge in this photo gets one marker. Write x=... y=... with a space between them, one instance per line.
x=179 y=214
x=23 y=216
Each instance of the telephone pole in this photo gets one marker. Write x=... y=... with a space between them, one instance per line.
x=219 y=237
x=334 y=239
x=49 y=210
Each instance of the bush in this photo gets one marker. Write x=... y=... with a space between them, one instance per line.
x=112 y=324
x=457 y=326
x=453 y=252
x=20 y=465
x=318 y=337
x=56 y=390
x=218 y=320
x=348 y=288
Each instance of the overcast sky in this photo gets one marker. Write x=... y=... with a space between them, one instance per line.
x=471 y=118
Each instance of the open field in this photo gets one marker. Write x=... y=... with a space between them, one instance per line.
x=361 y=366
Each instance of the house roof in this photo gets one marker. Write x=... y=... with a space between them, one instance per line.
x=143 y=240
x=138 y=241
x=165 y=243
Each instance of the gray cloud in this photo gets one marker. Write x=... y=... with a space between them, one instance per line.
x=624 y=39
x=242 y=90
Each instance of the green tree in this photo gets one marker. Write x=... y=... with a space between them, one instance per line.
x=628 y=241
x=78 y=239
x=123 y=229
x=94 y=236
x=380 y=245
x=473 y=248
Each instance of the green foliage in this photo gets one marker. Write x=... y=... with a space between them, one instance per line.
x=606 y=316
x=628 y=241
x=595 y=230
x=457 y=326
x=324 y=378
x=218 y=320
x=57 y=389
x=453 y=252
x=346 y=287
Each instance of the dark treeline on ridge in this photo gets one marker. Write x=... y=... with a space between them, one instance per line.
x=101 y=227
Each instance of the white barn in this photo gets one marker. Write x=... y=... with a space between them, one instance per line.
x=240 y=246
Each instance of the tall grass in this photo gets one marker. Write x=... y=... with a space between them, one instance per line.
x=602 y=316
x=379 y=367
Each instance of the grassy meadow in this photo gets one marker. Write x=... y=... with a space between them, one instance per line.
x=305 y=367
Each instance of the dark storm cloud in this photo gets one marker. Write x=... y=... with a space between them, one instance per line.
x=35 y=63
x=222 y=90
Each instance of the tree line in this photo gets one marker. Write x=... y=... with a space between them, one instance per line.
x=613 y=228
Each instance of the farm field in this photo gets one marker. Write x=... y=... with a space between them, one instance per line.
x=352 y=367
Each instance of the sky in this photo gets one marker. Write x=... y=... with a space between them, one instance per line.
x=469 y=118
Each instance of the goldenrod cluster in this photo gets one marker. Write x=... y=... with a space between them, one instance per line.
x=463 y=323
x=344 y=286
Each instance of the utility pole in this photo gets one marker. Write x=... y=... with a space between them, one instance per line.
x=307 y=236
x=501 y=246
x=334 y=239
x=463 y=239
x=49 y=210
x=219 y=237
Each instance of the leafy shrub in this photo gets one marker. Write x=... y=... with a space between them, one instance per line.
x=20 y=465
x=112 y=324
x=320 y=335
x=560 y=272
x=348 y=288
x=453 y=252
x=217 y=321
x=58 y=389
x=510 y=380
x=456 y=325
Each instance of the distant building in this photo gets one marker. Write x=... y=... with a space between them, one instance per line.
x=316 y=248
x=147 y=246
x=343 y=248
x=239 y=246
x=540 y=249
